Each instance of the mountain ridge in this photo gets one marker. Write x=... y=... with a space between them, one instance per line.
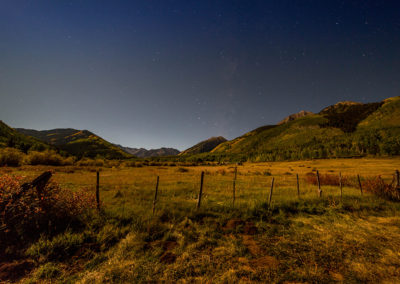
x=147 y=153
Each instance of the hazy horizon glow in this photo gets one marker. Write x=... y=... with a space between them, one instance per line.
x=172 y=73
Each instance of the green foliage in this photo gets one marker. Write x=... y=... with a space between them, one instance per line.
x=57 y=248
x=49 y=270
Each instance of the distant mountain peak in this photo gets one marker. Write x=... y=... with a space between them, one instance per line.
x=295 y=116
x=144 y=153
x=340 y=106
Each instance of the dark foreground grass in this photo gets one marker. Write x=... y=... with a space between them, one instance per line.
x=310 y=240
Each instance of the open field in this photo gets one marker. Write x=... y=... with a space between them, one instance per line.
x=296 y=239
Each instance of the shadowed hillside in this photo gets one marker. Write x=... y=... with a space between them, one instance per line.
x=204 y=146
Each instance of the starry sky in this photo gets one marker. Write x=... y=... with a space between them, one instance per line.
x=172 y=73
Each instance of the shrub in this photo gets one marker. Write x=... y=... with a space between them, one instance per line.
x=329 y=179
x=50 y=158
x=182 y=170
x=86 y=162
x=57 y=248
x=25 y=218
x=378 y=187
x=11 y=157
x=48 y=271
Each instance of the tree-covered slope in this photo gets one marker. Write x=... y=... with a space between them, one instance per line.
x=80 y=143
x=345 y=129
x=9 y=137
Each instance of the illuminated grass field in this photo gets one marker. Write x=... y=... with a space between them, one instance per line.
x=300 y=239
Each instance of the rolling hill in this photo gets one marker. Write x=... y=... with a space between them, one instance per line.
x=79 y=143
x=346 y=129
x=204 y=146
x=9 y=137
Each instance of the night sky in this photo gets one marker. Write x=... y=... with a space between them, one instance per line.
x=173 y=73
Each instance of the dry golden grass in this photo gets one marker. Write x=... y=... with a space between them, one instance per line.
x=306 y=239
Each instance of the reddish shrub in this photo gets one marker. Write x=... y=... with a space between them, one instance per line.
x=329 y=179
x=378 y=187
x=25 y=218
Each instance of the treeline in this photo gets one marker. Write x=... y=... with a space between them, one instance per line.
x=384 y=142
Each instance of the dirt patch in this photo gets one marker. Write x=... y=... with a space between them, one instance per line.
x=166 y=245
x=265 y=261
x=168 y=257
x=250 y=229
x=252 y=245
x=15 y=270
x=336 y=276
x=233 y=223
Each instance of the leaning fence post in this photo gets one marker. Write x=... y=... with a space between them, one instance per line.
x=234 y=188
x=270 y=192
x=98 y=189
x=359 y=183
x=298 y=185
x=341 y=186
x=155 y=195
x=319 y=185
x=201 y=190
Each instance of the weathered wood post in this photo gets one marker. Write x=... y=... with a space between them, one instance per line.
x=270 y=192
x=98 y=189
x=201 y=190
x=341 y=186
x=298 y=185
x=155 y=195
x=359 y=183
x=234 y=188
x=319 y=185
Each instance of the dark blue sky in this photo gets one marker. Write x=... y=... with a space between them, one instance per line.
x=172 y=73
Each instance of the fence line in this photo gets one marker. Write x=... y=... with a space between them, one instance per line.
x=235 y=181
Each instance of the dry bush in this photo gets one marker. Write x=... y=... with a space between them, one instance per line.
x=329 y=179
x=378 y=187
x=25 y=218
x=86 y=162
x=11 y=157
x=50 y=158
x=182 y=170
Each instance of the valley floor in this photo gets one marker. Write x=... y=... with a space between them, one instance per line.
x=303 y=238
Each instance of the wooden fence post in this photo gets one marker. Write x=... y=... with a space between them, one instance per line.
x=98 y=189
x=234 y=188
x=270 y=192
x=201 y=190
x=359 y=183
x=341 y=186
x=319 y=185
x=155 y=195
x=298 y=185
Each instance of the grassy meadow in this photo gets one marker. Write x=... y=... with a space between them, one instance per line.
x=303 y=238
